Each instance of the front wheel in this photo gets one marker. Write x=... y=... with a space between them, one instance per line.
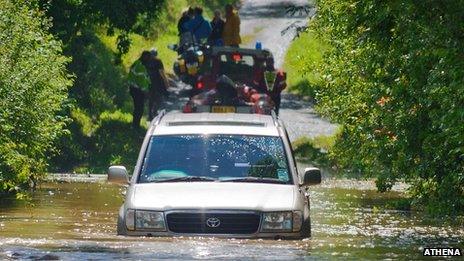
x=306 y=229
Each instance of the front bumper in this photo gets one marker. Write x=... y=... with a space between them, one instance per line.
x=304 y=232
x=273 y=235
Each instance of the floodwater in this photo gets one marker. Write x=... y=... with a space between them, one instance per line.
x=77 y=221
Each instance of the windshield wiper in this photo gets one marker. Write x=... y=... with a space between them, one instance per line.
x=255 y=179
x=188 y=179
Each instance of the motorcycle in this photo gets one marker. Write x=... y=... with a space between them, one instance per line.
x=192 y=56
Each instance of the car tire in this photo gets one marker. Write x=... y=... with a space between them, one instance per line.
x=306 y=229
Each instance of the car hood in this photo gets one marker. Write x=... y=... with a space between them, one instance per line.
x=213 y=195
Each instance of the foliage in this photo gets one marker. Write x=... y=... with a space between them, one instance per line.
x=116 y=142
x=100 y=84
x=96 y=141
x=33 y=89
x=71 y=18
x=301 y=61
x=394 y=77
x=315 y=150
x=93 y=145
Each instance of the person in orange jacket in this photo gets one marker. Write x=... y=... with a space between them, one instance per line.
x=231 y=33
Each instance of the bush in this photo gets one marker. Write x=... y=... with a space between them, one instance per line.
x=394 y=77
x=315 y=150
x=116 y=142
x=93 y=145
x=33 y=89
x=100 y=84
x=76 y=145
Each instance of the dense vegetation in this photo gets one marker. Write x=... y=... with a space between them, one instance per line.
x=33 y=90
x=101 y=133
x=393 y=77
x=101 y=39
x=99 y=95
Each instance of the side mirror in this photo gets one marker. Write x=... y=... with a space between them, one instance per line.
x=173 y=47
x=118 y=175
x=312 y=176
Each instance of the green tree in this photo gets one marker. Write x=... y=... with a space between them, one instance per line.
x=71 y=18
x=99 y=86
x=394 y=80
x=33 y=90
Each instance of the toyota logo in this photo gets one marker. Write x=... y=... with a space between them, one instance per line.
x=213 y=222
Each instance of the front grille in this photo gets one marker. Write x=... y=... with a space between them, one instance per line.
x=196 y=223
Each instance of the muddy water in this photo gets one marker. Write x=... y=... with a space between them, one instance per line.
x=77 y=221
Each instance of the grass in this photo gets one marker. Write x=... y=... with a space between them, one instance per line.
x=301 y=61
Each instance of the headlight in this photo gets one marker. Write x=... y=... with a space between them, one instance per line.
x=277 y=221
x=151 y=220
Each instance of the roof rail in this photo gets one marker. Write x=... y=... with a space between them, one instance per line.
x=275 y=118
x=158 y=118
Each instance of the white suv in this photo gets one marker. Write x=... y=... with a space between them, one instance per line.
x=215 y=174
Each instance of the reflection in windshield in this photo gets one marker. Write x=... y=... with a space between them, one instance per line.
x=215 y=156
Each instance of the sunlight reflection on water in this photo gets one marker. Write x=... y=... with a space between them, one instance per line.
x=77 y=221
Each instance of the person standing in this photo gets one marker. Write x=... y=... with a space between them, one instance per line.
x=231 y=33
x=280 y=84
x=159 y=83
x=139 y=86
x=217 y=26
x=186 y=16
x=198 y=26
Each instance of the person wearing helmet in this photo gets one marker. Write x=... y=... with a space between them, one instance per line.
x=159 y=83
x=139 y=86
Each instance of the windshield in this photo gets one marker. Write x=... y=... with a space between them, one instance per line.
x=215 y=158
x=238 y=71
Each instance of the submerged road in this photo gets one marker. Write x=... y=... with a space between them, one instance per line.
x=263 y=20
